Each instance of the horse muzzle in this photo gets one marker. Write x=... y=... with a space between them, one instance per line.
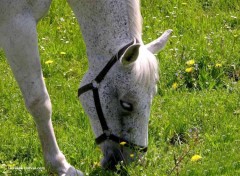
x=115 y=154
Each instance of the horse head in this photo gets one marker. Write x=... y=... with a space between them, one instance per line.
x=118 y=100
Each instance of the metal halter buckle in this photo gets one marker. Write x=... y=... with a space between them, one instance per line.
x=95 y=84
x=108 y=133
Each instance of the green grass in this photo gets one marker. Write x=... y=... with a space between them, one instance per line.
x=199 y=115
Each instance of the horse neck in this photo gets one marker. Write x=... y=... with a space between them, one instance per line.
x=107 y=26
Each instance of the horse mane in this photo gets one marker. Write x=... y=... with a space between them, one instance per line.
x=135 y=19
x=146 y=66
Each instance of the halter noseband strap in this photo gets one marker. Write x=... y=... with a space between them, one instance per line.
x=94 y=85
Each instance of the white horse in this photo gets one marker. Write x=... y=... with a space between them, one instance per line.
x=117 y=89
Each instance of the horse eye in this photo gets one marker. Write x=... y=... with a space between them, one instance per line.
x=127 y=106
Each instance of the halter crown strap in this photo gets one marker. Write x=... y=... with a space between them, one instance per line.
x=107 y=135
x=104 y=71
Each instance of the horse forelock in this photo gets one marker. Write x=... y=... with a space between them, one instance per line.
x=145 y=68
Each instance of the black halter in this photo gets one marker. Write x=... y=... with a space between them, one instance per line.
x=94 y=85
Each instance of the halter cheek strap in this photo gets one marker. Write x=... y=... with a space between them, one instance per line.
x=94 y=85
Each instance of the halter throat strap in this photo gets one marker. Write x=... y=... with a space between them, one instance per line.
x=94 y=85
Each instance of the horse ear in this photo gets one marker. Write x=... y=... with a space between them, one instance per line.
x=158 y=44
x=130 y=55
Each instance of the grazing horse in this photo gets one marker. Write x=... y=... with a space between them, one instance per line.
x=117 y=90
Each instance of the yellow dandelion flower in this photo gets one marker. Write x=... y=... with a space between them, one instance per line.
x=122 y=143
x=218 y=65
x=190 y=62
x=131 y=155
x=189 y=69
x=175 y=85
x=49 y=62
x=96 y=164
x=196 y=158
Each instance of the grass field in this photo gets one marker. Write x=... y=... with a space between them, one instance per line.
x=195 y=120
